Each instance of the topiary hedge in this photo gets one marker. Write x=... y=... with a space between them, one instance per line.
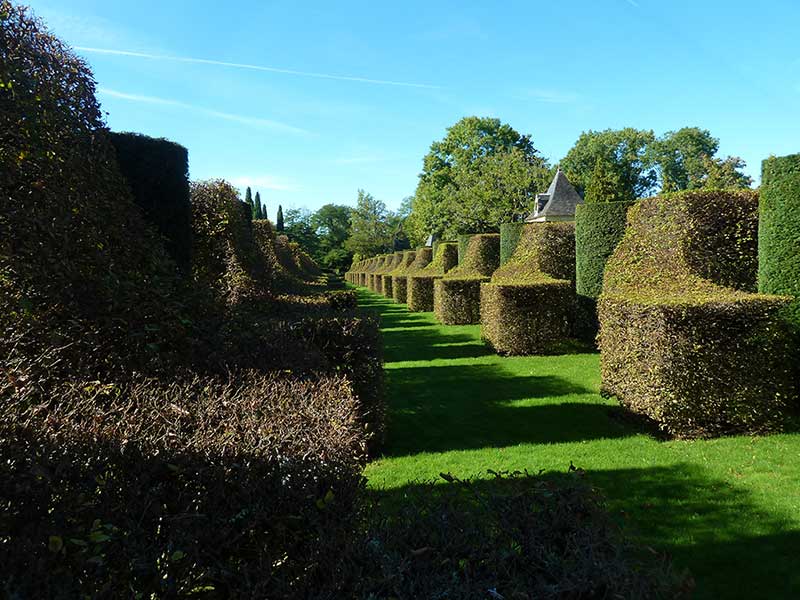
x=599 y=227
x=157 y=171
x=683 y=339
x=420 y=283
x=457 y=296
x=386 y=274
x=463 y=244
x=509 y=237
x=528 y=307
x=779 y=231
x=399 y=272
x=422 y=258
x=377 y=265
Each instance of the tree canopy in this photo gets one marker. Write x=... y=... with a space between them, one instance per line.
x=370 y=231
x=479 y=175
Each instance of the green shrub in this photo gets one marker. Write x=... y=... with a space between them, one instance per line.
x=683 y=339
x=247 y=488
x=157 y=171
x=422 y=259
x=599 y=227
x=380 y=261
x=399 y=273
x=457 y=296
x=386 y=273
x=519 y=535
x=529 y=305
x=420 y=283
x=463 y=243
x=779 y=231
x=509 y=237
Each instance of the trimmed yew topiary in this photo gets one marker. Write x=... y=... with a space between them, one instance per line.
x=420 y=283
x=422 y=259
x=528 y=306
x=376 y=267
x=599 y=227
x=509 y=237
x=399 y=273
x=684 y=339
x=457 y=296
x=386 y=273
x=779 y=231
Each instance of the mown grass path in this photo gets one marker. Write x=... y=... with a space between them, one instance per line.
x=728 y=509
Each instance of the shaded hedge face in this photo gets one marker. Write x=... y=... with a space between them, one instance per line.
x=779 y=231
x=157 y=172
x=83 y=279
x=420 y=283
x=509 y=237
x=682 y=341
x=543 y=249
x=243 y=490
x=599 y=227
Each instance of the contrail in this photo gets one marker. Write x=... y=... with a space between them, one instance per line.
x=220 y=63
x=253 y=121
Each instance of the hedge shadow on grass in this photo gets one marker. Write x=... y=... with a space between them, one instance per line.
x=439 y=408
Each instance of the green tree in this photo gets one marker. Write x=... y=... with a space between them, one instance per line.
x=332 y=225
x=625 y=155
x=481 y=171
x=370 y=232
x=279 y=219
x=604 y=185
x=248 y=199
x=686 y=160
x=298 y=226
x=260 y=213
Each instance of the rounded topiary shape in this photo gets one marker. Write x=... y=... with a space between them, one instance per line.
x=509 y=237
x=399 y=279
x=528 y=306
x=683 y=339
x=420 y=284
x=779 y=231
x=599 y=227
x=457 y=297
x=386 y=273
x=373 y=274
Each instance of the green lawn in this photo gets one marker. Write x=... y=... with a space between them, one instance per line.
x=728 y=509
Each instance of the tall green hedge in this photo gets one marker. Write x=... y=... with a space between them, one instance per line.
x=157 y=171
x=509 y=237
x=420 y=283
x=779 y=231
x=683 y=339
x=599 y=227
x=463 y=244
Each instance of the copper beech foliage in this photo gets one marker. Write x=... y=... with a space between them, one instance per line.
x=420 y=282
x=684 y=337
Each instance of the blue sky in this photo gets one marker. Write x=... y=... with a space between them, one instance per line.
x=308 y=102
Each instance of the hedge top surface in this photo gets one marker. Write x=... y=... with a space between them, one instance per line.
x=599 y=227
x=689 y=247
x=446 y=258
x=422 y=259
x=779 y=229
x=482 y=257
x=406 y=261
x=545 y=253
x=389 y=263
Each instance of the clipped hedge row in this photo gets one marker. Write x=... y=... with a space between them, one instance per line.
x=380 y=261
x=528 y=307
x=457 y=296
x=422 y=257
x=386 y=275
x=683 y=339
x=463 y=244
x=509 y=237
x=599 y=227
x=399 y=272
x=420 y=283
x=160 y=489
x=779 y=231
x=157 y=171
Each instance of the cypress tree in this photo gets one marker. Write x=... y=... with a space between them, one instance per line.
x=259 y=209
x=248 y=198
x=279 y=219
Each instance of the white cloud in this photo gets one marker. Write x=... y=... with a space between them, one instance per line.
x=633 y=3
x=264 y=182
x=245 y=120
x=205 y=61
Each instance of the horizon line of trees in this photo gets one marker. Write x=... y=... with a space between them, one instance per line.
x=483 y=173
